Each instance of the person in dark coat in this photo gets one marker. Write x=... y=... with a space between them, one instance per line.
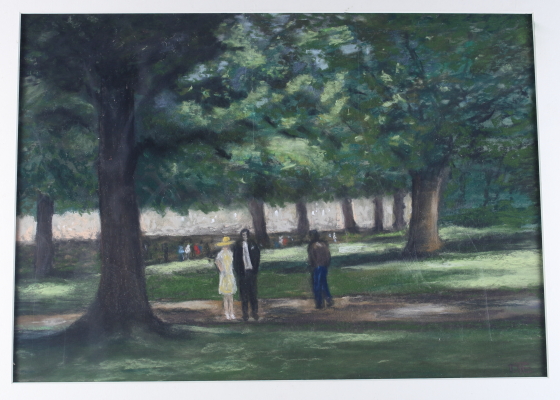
x=246 y=260
x=319 y=258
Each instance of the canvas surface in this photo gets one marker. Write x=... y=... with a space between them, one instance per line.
x=408 y=141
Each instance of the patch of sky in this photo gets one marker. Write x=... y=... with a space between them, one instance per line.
x=222 y=65
x=507 y=121
x=349 y=48
x=320 y=62
x=261 y=102
x=198 y=75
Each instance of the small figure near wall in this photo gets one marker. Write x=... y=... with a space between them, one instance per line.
x=197 y=250
x=181 y=253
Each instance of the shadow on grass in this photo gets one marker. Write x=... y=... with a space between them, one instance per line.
x=510 y=241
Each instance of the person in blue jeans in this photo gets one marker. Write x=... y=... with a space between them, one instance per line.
x=319 y=258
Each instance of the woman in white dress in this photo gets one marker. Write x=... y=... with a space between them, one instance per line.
x=227 y=288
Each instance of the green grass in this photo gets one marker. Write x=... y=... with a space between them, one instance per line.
x=492 y=270
x=370 y=266
x=241 y=352
x=497 y=259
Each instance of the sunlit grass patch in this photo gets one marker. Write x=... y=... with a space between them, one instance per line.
x=180 y=267
x=296 y=253
x=512 y=270
x=48 y=289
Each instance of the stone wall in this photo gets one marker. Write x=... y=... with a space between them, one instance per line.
x=322 y=216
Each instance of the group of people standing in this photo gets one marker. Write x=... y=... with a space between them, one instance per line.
x=238 y=265
x=187 y=251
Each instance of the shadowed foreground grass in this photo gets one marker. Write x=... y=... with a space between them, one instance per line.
x=486 y=259
x=261 y=351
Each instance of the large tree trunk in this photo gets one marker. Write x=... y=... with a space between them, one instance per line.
x=121 y=303
x=44 y=247
x=256 y=208
x=423 y=237
x=398 y=210
x=348 y=213
x=378 y=214
x=303 y=221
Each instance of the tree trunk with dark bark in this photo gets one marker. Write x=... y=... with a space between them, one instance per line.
x=348 y=213
x=121 y=303
x=378 y=214
x=303 y=221
x=423 y=237
x=256 y=208
x=44 y=247
x=398 y=210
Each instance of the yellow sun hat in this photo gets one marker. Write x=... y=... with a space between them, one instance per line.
x=226 y=241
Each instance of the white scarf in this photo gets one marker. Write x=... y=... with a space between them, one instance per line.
x=246 y=258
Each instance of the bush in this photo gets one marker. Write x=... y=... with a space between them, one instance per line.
x=502 y=213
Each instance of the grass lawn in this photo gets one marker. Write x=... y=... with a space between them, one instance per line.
x=496 y=259
x=266 y=351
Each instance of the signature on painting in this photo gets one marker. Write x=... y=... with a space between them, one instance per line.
x=520 y=367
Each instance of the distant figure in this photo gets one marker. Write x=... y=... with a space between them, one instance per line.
x=284 y=241
x=334 y=237
x=319 y=257
x=197 y=250
x=246 y=259
x=227 y=287
x=181 y=253
x=187 y=251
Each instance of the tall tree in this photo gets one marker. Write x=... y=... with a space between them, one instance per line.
x=426 y=86
x=118 y=62
x=261 y=85
x=59 y=170
x=445 y=80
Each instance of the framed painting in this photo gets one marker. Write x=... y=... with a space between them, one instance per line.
x=252 y=198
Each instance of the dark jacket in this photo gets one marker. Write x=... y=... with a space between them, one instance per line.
x=254 y=255
x=318 y=254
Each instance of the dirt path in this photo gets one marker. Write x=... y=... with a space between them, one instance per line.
x=461 y=306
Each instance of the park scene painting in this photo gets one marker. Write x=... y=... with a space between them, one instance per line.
x=217 y=197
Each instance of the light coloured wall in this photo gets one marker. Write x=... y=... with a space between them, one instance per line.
x=279 y=219
x=322 y=216
x=325 y=216
x=363 y=213
x=196 y=222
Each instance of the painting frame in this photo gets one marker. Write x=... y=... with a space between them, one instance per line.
x=513 y=388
